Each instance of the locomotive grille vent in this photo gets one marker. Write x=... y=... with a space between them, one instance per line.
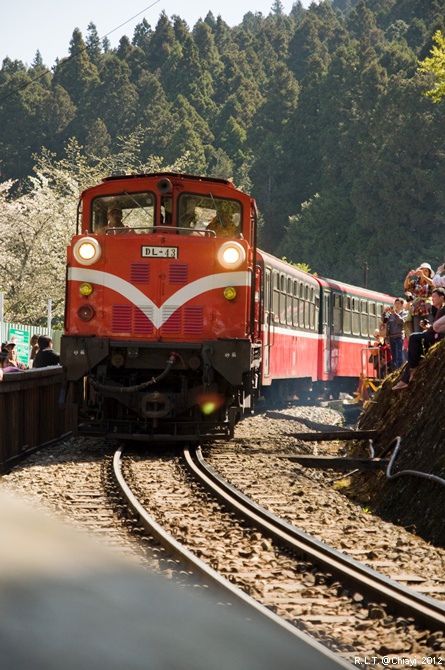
x=178 y=273
x=143 y=320
x=140 y=273
x=193 y=320
x=187 y=320
x=177 y=321
x=172 y=317
x=121 y=318
x=127 y=319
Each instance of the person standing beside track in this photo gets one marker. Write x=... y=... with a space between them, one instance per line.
x=46 y=356
x=34 y=349
x=395 y=317
x=419 y=283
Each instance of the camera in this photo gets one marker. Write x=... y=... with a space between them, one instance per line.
x=414 y=278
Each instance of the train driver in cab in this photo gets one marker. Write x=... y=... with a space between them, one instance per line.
x=222 y=217
x=224 y=222
x=114 y=221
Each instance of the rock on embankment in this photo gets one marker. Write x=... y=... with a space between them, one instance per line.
x=416 y=414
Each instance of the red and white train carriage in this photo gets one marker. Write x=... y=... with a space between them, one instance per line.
x=175 y=322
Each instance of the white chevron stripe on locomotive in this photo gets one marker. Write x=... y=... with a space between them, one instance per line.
x=162 y=313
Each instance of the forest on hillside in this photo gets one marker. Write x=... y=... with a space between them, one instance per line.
x=320 y=114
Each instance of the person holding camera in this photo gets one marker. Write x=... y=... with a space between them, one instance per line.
x=420 y=342
x=395 y=318
x=419 y=283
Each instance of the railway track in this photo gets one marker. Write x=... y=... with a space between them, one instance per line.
x=348 y=620
x=334 y=564
x=335 y=576
x=317 y=655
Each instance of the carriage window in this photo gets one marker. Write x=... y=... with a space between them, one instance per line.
x=347 y=314
x=364 y=322
x=266 y=295
x=355 y=316
x=282 y=299
x=312 y=309
x=295 y=304
x=133 y=212
x=289 y=302
x=198 y=213
x=373 y=319
x=337 y=312
x=276 y=297
x=306 y=307
x=317 y=310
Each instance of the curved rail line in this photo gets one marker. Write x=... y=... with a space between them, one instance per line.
x=321 y=657
x=367 y=581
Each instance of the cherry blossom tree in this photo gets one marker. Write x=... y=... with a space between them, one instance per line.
x=38 y=219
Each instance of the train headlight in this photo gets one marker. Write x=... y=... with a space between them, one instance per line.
x=85 y=289
x=230 y=293
x=87 y=251
x=231 y=255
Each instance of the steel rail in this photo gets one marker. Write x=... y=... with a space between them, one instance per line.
x=321 y=657
x=367 y=581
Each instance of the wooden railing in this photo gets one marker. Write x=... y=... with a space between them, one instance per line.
x=30 y=416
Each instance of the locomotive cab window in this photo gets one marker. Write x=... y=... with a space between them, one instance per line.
x=208 y=214
x=123 y=212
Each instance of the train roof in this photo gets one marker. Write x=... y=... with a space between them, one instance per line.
x=174 y=175
x=285 y=266
x=343 y=287
x=333 y=284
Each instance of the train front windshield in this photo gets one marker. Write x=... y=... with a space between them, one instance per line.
x=133 y=211
x=200 y=213
x=144 y=211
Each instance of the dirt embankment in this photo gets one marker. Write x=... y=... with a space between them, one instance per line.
x=416 y=414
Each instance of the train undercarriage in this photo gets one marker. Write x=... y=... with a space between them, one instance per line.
x=158 y=391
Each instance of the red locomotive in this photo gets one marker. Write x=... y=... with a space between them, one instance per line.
x=176 y=323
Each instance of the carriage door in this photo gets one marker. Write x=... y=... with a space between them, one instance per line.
x=327 y=332
x=268 y=317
